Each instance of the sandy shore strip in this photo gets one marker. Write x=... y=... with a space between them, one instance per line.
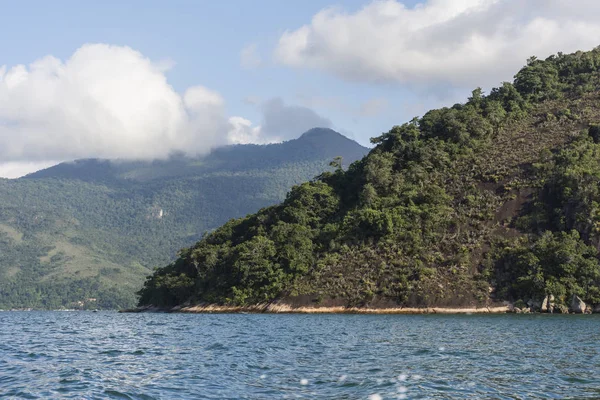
x=288 y=309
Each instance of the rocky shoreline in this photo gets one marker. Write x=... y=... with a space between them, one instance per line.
x=547 y=305
x=280 y=308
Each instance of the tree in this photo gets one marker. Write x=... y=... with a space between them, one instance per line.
x=337 y=163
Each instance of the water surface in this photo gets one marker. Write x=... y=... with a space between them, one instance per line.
x=84 y=355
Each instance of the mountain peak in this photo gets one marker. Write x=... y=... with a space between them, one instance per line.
x=320 y=133
x=315 y=145
x=328 y=143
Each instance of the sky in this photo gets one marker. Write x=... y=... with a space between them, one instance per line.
x=140 y=80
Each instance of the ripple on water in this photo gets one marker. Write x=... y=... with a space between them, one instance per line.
x=152 y=356
x=111 y=352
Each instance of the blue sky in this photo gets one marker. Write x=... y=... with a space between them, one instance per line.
x=363 y=66
x=204 y=40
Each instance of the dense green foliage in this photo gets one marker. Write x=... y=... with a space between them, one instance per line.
x=558 y=264
x=494 y=199
x=94 y=229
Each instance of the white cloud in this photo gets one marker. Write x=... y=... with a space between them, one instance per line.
x=104 y=101
x=112 y=102
x=198 y=97
x=249 y=57
x=279 y=122
x=242 y=132
x=457 y=42
x=18 y=169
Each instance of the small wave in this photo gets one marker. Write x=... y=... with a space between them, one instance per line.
x=337 y=357
x=111 y=352
x=217 y=346
x=117 y=395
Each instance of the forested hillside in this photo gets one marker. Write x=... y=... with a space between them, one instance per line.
x=93 y=229
x=493 y=199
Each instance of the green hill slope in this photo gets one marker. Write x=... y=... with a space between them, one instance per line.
x=93 y=229
x=494 y=199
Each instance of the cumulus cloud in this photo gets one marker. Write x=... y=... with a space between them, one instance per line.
x=279 y=122
x=111 y=102
x=104 y=101
x=243 y=132
x=466 y=42
x=249 y=57
x=17 y=169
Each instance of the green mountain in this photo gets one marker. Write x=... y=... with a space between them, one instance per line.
x=494 y=199
x=93 y=229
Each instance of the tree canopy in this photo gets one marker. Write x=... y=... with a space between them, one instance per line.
x=493 y=199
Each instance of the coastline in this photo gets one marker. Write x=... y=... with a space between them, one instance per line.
x=282 y=308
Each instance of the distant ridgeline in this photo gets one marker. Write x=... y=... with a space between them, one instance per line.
x=85 y=234
x=494 y=199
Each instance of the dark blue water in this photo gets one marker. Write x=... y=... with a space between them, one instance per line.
x=84 y=355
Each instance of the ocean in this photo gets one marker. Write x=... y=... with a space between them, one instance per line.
x=107 y=355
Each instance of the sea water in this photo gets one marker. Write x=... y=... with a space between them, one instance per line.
x=85 y=355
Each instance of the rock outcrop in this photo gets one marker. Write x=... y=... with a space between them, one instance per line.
x=544 y=307
x=577 y=305
x=548 y=304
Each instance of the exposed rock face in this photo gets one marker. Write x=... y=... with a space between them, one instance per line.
x=544 y=307
x=577 y=305
x=548 y=304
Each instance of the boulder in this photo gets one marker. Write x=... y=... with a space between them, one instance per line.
x=529 y=303
x=545 y=304
x=577 y=305
x=548 y=304
x=534 y=305
x=596 y=309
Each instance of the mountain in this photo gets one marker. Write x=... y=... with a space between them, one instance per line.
x=496 y=199
x=317 y=144
x=93 y=229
